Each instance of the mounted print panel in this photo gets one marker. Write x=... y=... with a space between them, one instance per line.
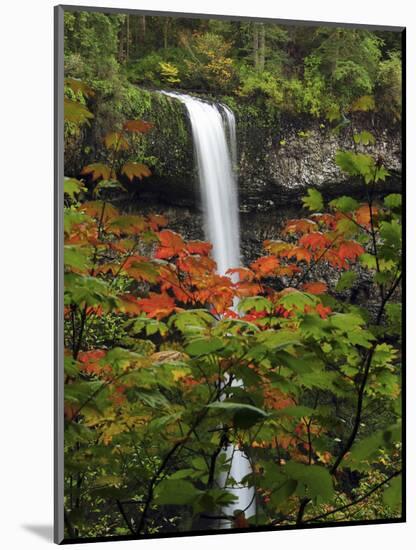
x=229 y=351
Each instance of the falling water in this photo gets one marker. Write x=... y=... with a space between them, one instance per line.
x=216 y=159
x=216 y=177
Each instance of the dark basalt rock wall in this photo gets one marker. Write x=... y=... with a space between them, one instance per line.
x=276 y=170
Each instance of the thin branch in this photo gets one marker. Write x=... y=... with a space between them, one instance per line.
x=125 y=517
x=350 y=441
x=303 y=503
x=354 y=502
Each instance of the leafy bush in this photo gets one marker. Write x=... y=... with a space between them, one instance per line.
x=260 y=88
x=146 y=70
x=389 y=86
x=209 y=65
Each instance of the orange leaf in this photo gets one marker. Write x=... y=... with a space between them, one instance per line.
x=100 y=211
x=300 y=226
x=315 y=240
x=136 y=170
x=219 y=292
x=289 y=270
x=199 y=247
x=245 y=289
x=140 y=126
x=254 y=315
x=130 y=304
x=197 y=265
x=156 y=220
x=123 y=245
x=157 y=305
x=328 y=220
x=264 y=266
x=171 y=244
x=362 y=214
x=107 y=268
x=317 y=287
x=97 y=170
x=350 y=250
x=333 y=258
x=323 y=311
x=300 y=254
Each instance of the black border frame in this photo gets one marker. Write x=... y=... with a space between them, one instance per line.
x=59 y=521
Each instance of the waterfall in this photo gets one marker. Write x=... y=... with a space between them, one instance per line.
x=216 y=176
x=216 y=159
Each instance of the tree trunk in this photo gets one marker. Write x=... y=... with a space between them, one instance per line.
x=121 y=44
x=142 y=29
x=256 y=45
x=127 y=36
x=166 y=23
x=262 y=47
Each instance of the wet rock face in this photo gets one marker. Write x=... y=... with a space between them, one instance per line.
x=276 y=169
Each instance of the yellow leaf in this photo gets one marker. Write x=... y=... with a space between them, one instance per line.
x=363 y=103
x=136 y=170
x=179 y=373
x=76 y=112
x=116 y=141
x=79 y=86
x=97 y=170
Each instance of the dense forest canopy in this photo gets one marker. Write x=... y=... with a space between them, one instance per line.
x=297 y=69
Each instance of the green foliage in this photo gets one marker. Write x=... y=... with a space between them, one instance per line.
x=162 y=375
x=358 y=164
x=364 y=138
x=389 y=85
x=243 y=415
x=346 y=281
x=312 y=482
x=260 y=88
x=344 y=203
x=314 y=200
x=392 y=496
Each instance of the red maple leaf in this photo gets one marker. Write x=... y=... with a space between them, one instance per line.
x=315 y=287
x=199 y=247
x=300 y=226
x=301 y=254
x=156 y=221
x=264 y=266
x=315 y=240
x=157 y=305
x=323 y=311
x=363 y=215
x=171 y=244
x=350 y=250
